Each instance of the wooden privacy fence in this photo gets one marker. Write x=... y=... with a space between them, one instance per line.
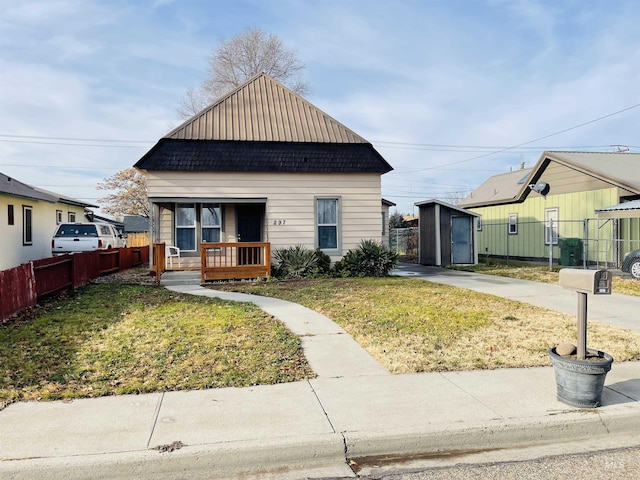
x=23 y=286
x=226 y=261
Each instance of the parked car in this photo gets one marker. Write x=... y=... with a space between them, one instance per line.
x=631 y=263
x=84 y=237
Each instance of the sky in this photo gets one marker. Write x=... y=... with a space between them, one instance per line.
x=449 y=92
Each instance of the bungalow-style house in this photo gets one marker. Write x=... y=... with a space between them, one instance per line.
x=28 y=219
x=553 y=208
x=262 y=164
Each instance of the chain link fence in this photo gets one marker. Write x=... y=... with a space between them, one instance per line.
x=404 y=242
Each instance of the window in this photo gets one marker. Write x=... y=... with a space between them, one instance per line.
x=10 y=216
x=211 y=222
x=27 y=225
x=479 y=224
x=513 y=224
x=551 y=226
x=327 y=223
x=58 y=217
x=72 y=216
x=186 y=226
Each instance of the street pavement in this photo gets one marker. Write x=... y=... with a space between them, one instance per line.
x=354 y=414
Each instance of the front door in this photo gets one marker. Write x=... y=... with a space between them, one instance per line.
x=250 y=222
x=461 y=247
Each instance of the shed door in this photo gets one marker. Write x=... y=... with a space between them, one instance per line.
x=461 y=245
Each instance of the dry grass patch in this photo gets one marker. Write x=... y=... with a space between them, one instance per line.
x=411 y=325
x=541 y=273
x=115 y=339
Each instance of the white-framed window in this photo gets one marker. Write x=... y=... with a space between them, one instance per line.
x=71 y=217
x=27 y=225
x=58 y=217
x=186 y=226
x=513 y=224
x=211 y=222
x=551 y=226
x=327 y=223
x=479 y=224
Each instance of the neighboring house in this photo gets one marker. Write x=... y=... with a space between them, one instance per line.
x=386 y=205
x=527 y=213
x=137 y=229
x=262 y=164
x=28 y=219
x=447 y=234
x=93 y=217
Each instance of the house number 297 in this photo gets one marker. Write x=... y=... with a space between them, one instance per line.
x=279 y=222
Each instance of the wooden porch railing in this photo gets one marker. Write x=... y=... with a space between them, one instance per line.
x=226 y=261
x=159 y=260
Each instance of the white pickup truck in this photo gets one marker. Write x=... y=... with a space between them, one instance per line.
x=85 y=237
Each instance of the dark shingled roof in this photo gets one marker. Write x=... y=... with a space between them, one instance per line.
x=243 y=156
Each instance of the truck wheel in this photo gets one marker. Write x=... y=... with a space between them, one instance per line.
x=634 y=269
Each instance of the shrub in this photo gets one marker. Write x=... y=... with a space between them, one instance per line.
x=369 y=259
x=300 y=262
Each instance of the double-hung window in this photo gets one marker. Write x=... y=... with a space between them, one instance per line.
x=327 y=217
x=211 y=222
x=186 y=226
x=513 y=224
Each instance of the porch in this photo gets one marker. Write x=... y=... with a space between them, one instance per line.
x=218 y=261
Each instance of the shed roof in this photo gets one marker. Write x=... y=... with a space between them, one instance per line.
x=622 y=210
x=619 y=169
x=434 y=201
x=262 y=109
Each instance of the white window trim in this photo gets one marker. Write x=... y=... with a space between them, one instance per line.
x=479 y=223
x=25 y=215
x=338 y=249
x=512 y=227
x=71 y=217
x=58 y=217
x=202 y=224
x=554 y=227
x=192 y=227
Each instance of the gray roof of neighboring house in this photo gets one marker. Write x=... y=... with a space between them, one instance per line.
x=262 y=126
x=11 y=186
x=619 y=169
x=136 y=223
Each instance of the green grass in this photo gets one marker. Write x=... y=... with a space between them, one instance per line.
x=412 y=325
x=115 y=339
x=541 y=273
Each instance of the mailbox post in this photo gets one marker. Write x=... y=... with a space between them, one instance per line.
x=584 y=282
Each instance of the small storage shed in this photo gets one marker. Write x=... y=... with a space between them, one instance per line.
x=447 y=234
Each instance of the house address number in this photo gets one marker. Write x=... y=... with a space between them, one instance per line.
x=279 y=222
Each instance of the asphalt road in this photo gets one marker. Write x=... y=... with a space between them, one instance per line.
x=615 y=464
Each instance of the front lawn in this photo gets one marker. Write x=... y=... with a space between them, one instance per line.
x=113 y=339
x=412 y=325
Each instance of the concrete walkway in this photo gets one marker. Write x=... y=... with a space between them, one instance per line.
x=353 y=413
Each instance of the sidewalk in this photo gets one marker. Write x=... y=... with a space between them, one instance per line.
x=353 y=411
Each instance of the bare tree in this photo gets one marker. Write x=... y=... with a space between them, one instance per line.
x=239 y=58
x=129 y=195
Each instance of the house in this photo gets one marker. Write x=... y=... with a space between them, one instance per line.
x=262 y=164
x=28 y=219
x=552 y=209
x=137 y=229
x=446 y=234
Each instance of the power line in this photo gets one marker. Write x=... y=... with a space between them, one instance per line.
x=531 y=141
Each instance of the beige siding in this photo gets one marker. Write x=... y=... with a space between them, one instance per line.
x=290 y=206
x=563 y=179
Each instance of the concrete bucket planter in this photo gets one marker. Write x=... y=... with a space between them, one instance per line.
x=580 y=382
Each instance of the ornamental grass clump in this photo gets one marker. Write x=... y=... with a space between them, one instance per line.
x=301 y=262
x=369 y=259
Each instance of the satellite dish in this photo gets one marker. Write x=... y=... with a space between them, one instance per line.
x=541 y=187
